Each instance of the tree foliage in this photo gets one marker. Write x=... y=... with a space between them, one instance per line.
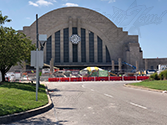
x=15 y=47
x=3 y=19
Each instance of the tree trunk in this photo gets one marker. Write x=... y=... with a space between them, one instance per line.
x=3 y=76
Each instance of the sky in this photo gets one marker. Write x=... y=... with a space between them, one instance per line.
x=145 y=18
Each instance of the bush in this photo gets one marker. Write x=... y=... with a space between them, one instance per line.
x=154 y=77
x=163 y=75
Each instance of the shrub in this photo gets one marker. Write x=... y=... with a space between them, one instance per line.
x=154 y=76
x=163 y=75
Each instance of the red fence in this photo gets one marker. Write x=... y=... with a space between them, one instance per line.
x=111 y=78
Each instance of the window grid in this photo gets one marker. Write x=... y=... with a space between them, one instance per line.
x=100 y=49
x=66 y=44
x=83 y=45
x=75 y=46
x=91 y=46
x=57 y=47
x=108 y=59
x=48 y=50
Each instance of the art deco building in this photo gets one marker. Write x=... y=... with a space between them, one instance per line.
x=79 y=37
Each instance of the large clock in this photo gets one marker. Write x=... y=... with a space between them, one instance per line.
x=75 y=39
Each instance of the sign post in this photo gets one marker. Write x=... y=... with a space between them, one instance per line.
x=37 y=59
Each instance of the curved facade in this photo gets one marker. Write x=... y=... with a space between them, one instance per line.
x=101 y=42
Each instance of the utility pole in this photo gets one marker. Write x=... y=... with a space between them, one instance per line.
x=37 y=67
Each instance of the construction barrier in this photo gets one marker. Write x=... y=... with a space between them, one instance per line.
x=110 y=78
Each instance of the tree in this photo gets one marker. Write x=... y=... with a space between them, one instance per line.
x=3 y=19
x=14 y=47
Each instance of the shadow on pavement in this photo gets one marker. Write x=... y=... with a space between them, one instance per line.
x=38 y=121
x=65 y=108
x=53 y=90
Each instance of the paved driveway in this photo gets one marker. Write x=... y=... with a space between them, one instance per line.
x=101 y=103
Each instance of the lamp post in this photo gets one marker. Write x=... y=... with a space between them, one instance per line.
x=37 y=56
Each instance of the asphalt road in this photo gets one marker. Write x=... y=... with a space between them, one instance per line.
x=101 y=103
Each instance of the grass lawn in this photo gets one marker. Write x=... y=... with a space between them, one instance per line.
x=17 y=97
x=157 y=84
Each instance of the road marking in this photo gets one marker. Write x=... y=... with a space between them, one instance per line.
x=138 y=105
x=108 y=95
x=83 y=86
x=92 y=90
x=89 y=107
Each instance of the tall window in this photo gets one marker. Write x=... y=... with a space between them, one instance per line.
x=66 y=44
x=48 y=50
x=91 y=46
x=83 y=45
x=75 y=46
x=108 y=59
x=57 y=47
x=99 y=50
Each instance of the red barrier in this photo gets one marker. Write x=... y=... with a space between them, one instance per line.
x=129 y=78
x=64 y=79
x=102 y=79
x=111 y=78
x=142 y=77
x=115 y=78
x=91 y=79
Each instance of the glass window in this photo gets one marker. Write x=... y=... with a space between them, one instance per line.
x=100 y=49
x=107 y=55
x=83 y=45
x=66 y=44
x=74 y=30
x=91 y=46
x=75 y=46
x=48 y=50
x=57 y=47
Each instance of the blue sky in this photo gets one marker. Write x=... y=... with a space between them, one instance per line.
x=146 y=18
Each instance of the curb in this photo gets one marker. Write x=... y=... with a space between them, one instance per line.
x=144 y=88
x=22 y=115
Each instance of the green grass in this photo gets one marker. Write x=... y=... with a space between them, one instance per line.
x=17 y=97
x=157 y=84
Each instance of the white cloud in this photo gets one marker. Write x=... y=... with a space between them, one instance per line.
x=109 y=1
x=41 y=3
x=34 y=4
x=70 y=4
x=28 y=18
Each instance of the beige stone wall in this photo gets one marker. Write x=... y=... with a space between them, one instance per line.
x=148 y=63
x=119 y=43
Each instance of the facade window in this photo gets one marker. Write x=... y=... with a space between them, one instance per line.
x=152 y=67
x=91 y=46
x=107 y=55
x=83 y=45
x=75 y=46
x=99 y=50
x=74 y=30
x=48 y=50
x=57 y=47
x=66 y=44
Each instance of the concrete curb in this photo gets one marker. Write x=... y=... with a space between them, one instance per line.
x=22 y=115
x=144 y=88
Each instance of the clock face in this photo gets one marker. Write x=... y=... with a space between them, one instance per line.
x=75 y=39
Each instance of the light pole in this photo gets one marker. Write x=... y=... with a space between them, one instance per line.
x=37 y=56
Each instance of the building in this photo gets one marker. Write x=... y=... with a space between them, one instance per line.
x=79 y=37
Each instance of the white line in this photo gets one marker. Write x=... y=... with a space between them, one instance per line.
x=92 y=90
x=83 y=86
x=108 y=95
x=138 y=105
